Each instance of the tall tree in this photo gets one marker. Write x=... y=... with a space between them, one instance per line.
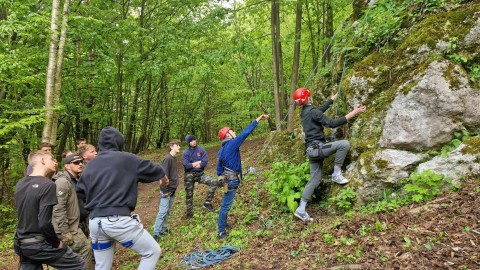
x=296 y=60
x=275 y=36
x=54 y=73
x=328 y=32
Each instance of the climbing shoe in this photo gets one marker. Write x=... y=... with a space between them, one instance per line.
x=157 y=238
x=303 y=216
x=222 y=235
x=339 y=179
x=208 y=206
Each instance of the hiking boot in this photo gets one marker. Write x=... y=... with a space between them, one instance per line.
x=222 y=235
x=208 y=206
x=156 y=238
x=339 y=179
x=303 y=216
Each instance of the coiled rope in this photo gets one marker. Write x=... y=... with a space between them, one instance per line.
x=204 y=258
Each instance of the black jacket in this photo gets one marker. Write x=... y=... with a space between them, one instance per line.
x=108 y=184
x=314 y=119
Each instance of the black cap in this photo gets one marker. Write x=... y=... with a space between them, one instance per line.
x=71 y=158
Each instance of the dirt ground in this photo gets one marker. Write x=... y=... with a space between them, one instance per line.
x=441 y=234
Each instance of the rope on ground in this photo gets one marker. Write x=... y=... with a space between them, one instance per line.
x=207 y=257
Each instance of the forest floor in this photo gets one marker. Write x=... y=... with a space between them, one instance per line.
x=440 y=234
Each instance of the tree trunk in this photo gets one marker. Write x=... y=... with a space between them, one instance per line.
x=59 y=68
x=50 y=86
x=358 y=6
x=63 y=141
x=144 y=128
x=328 y=32
x=119 y=102
x=275 y=32
x=129 y=140
x=296 y=61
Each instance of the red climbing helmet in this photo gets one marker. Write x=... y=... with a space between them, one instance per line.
x=223 y=132
x=300 y=96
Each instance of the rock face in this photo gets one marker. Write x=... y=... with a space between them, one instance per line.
x=431 y=111
x=456 y=165
x=473 y=37
x=418 y=98
x=382 y=170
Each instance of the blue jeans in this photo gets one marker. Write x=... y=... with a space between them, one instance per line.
x=163 y=213
x=227 y=202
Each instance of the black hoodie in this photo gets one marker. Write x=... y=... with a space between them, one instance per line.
x=108 y=184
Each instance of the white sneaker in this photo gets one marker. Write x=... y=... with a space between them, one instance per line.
x=339 y=179
x=303 y=216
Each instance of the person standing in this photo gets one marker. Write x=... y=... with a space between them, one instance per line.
x=35 y=239
x=66 y=214
x=108 y=189
x=167 y=193
x=194 y=161
x=313 y=122
x=230 y=165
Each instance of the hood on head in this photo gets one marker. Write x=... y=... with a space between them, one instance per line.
x=190 y=138
x=110 y=139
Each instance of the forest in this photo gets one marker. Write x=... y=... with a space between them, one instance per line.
x=158 y=70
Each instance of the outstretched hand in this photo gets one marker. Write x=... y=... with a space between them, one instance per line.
x=358 y=110
x=334 y=96
x=261 y=117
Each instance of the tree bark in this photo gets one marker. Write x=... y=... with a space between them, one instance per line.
x=63 y=141
x=296 y=62
x=59 y=68
x=358 y=6
x=328 y=32
x=275 y=32
x=50 y=85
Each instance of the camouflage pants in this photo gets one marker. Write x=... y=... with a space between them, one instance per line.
x=200 y=177
x=81 y=246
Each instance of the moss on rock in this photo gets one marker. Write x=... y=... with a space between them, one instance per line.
x=472 y=146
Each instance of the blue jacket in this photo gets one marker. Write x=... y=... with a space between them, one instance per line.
x=229 y=154
x=108 y=185
x=193 y=155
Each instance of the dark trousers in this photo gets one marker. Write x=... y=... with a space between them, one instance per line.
x=200 y=177
x=33 y=255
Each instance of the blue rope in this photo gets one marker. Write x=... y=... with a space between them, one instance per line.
x=204 y=258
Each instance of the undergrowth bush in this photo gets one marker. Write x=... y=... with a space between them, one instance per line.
x=385 y=20
x=425 y=186
x=7 y=220
x=286 y=183
x=345 y=199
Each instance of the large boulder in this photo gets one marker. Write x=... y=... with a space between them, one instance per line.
x=463 y=162
x=376 y=171
x=439 y=103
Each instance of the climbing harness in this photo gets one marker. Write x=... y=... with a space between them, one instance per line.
x=203 y=258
